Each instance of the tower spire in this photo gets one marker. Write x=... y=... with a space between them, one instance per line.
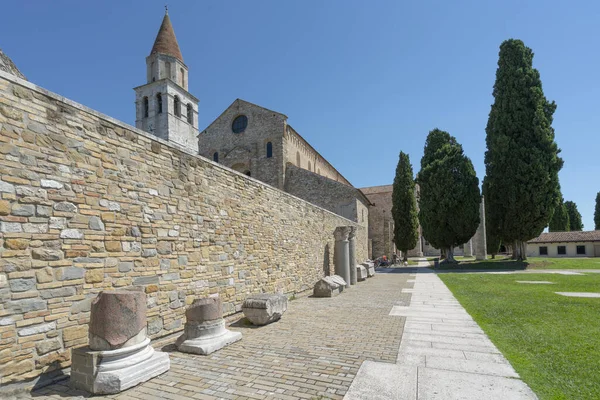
x=166 y=42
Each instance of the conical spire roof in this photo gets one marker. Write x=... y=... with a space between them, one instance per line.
x=166 y=42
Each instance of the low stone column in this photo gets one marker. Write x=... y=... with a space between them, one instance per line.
x=481 y=249
x=204 y=330
x=119 y=355
x=342 y=253
x=352 y=254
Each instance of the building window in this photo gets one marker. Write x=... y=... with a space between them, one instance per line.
x=298 y=158
x=581 y=250
x=240 y=123
x=216 y=156
x=562 y=250
x=543 y=251
x=159 y=103
x=177 y=106
x=182 y=77
x=190 y=114
x=269 y=150
x=309 y=166
x=145 y=107
x=319 y=172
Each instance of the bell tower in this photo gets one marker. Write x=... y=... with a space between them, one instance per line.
x=164 y=107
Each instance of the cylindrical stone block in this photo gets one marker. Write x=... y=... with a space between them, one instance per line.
x=115 y=318
x=207 y=309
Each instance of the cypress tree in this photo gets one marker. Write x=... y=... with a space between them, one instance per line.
x=492 y=238
x=597 y=213
x=560 y=218
x=521 y=160
x=449 y=202
x=575 y=222
x=404 y=207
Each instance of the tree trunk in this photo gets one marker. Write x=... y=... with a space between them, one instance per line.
x=520 y=250
x=524 y=251
x=405 y=258
x=449 y=256
x=493 y=256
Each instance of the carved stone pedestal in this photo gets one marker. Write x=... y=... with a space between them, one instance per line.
x=119 y=355
x=205 y=331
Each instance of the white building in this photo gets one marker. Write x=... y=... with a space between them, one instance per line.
x=565 y=244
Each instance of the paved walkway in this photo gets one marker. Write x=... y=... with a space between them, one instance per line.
x=313 y=352
x=443 y=354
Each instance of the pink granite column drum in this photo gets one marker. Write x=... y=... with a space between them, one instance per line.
x=205 y=331
x=119 y=355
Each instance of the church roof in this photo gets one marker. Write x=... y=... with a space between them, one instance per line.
x=166 y=42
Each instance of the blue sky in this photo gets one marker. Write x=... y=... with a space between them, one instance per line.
x=360 y=80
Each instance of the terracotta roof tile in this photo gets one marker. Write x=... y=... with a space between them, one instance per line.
x=574 y=236
x=166 y=42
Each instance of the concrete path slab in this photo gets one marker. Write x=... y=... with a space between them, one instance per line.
x=537 y=282
x=451 y=355
x=380 y=381
x=579 y=294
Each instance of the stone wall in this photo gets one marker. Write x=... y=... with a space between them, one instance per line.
x=334 y=196
x=381 y=224
x=90 y=204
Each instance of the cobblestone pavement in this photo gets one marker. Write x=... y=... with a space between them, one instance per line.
x=313 y=352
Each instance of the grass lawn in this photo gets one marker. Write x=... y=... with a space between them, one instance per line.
x=552 y=341
x=506 y=263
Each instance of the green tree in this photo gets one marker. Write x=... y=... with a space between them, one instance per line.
x=492 y=238
x=597 y=213
x=521 y=160
x=449 y=198
x=404 y=207
x=575 y=222
x=560 y=218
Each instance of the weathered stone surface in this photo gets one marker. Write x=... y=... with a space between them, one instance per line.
x=58 y=292
x=96 y=224
x=48 y=345
x=112 y=246
x=71 y=234
x=65 y=206
x=35 y=329
x=35 y=228
x=111 y=205
x=329 y=286
x=21 y=284
x=16 y=244
x=361 y=273
x=94 y=276
x=125 y=266
x=23 y=210
x=117 y=317
x=25 y=305
x=145 y=280
x=44 y=275
x=5 y=207
x=58 y=223
x=207 y=309
x=69 y=273
x=6 y=187
x=262 y=309
x=47 y=254
x=50 y=184
x=9 y=227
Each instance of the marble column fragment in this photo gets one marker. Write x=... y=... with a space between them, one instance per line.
x=342 y=253
x=119 y=355
x=204 y=330
x=352 y=254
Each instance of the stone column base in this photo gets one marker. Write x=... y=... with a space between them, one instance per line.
x=113 y=371
x=205 y=338
x=361 y=273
